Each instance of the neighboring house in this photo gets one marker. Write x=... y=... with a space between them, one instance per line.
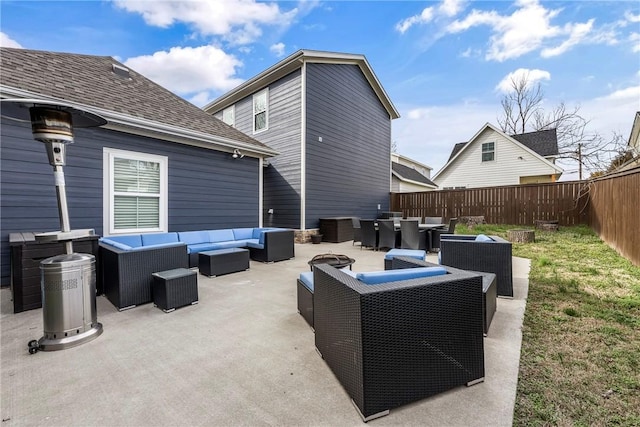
x=408 y=175
x=634 y=143
x=492 y=158
x=330 y=119
x=152 y=137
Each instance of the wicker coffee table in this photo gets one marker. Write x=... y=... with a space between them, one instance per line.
x=334 y=260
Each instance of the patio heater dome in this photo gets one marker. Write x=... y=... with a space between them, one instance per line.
x=68 y=281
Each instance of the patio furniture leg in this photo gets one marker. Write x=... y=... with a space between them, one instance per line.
x=370 y=417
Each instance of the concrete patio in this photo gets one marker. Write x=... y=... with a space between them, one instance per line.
x=241 y=356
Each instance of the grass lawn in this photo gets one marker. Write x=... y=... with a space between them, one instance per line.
x=580 y=360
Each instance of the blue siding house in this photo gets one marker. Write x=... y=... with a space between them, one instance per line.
x=330 y=119
x=180 y=158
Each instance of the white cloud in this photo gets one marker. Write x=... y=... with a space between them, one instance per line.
x=451 y=7
x=634 y=38
x=277 y=49
x=531 y=76
x=6 y=41
x=425 y=17
x=447 y=8
x=190 y=69
x=631 y=17
x=237 y=21
x=578 y=33
x=527 y=29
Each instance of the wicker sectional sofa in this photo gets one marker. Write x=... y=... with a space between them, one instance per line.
x=129 y=261
x=393 y=343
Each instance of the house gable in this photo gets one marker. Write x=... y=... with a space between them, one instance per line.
x=512 y=163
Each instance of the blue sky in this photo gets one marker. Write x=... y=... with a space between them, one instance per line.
x=442 y=63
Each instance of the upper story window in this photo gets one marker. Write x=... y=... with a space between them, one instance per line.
x=261 y=111
x=135 y=192
x=488 y=151
x=229 y=115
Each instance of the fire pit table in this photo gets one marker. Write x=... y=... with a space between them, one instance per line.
x=335 y=260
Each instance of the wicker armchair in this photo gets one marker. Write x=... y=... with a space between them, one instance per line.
x=463 y=251
x=398 y=342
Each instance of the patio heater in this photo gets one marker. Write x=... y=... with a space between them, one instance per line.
x=68 y=281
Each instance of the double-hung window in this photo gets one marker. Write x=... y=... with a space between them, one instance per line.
x=488 y=151
x=229 y=115
x=261 y=111
x=135 y=192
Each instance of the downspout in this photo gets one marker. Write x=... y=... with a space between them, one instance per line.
x=303 y=148
x=260 y=192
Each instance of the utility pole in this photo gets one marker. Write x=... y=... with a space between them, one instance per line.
x=580 y=161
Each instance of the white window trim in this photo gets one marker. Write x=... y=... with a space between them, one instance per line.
x=108 y=154
x=483 y=152
x=253 y=109
x=233 y=114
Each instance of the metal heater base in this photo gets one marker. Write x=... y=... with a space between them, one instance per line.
x=52 y=344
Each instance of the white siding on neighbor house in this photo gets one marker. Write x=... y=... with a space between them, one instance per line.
x=511 y=162
x=398 y=186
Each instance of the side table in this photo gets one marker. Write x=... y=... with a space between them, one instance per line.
x=175 y=288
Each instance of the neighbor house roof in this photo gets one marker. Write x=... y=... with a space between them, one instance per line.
x=292 y=63
x=128 y=100
x=543 y=142
x=405 y=173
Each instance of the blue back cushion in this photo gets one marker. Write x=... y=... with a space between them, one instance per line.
x=159 y=238
x=221 y=235
x=483 y=238
x=242 y=233
x=307 y=279
x=376 y=277
x=133 y=241
x=193 y=237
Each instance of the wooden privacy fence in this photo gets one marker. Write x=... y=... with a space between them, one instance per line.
x=614 y=211
x=565 y=202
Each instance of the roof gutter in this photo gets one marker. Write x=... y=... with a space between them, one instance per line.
x=130 y=124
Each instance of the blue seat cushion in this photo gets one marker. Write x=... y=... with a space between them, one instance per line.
x=411 y=253
x=227 y=244
x=377 y=277
x=483 y=238
x=159 y=238
x=193 y=237
x=307 y=279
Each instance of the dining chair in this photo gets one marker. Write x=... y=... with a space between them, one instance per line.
x=436 y=233
x=386 y=234
x=433 y=220
x=357 y=231
x=369 y=234
x=411 y=236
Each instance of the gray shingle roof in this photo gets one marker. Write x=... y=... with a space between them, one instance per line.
x=411 y=174
x=455 y=150
x=90 y=80
x=543 y=142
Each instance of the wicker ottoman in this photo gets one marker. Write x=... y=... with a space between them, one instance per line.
x=175 y=288
x=223 y=261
